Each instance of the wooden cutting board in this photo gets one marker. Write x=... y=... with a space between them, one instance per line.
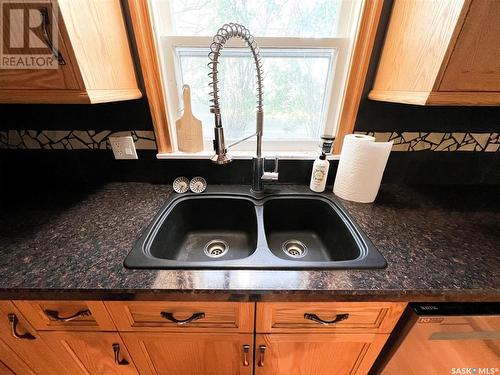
x=189 y=132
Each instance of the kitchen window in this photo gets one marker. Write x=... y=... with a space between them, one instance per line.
x=305 y=47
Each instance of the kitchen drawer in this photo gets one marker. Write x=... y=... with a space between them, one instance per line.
x=186 y=316
x=315 y=317
x=66 y=315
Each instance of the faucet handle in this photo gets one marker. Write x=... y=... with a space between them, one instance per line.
x=271 y=176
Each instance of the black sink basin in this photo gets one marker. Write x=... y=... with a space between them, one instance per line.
x=308 y=229
x=206 y=230
x=229 y=228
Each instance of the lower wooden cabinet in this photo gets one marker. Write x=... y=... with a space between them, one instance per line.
x=94 y=353
x=191 y=353
x=316 y=354
x=193 y=338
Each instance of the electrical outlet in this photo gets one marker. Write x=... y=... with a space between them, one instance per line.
x=123 y=147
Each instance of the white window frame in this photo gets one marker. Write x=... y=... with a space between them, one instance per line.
x=171 y=72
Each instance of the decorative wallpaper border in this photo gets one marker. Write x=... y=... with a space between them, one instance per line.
x=420 y=141
x=72 y=139
x=145 y=140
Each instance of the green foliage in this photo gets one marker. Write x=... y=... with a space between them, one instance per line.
x=294 y=87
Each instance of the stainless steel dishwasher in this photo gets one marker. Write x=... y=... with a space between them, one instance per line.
x=444 y=338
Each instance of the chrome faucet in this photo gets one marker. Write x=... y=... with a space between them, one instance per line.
x=226 y=32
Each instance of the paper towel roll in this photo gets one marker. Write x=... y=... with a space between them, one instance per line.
x=361 y=166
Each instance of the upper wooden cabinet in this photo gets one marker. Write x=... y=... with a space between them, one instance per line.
x=65 y=51
x=441 y=52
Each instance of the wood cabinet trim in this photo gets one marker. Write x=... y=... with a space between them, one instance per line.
x=67 y=96
x=358 y=68
x=407 y=97
x=150 y=67
x=106 y=96
x=464 y=98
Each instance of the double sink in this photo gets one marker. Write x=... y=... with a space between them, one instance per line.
x=229 y=228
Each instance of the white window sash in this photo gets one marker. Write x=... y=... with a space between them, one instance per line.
x=170 y=70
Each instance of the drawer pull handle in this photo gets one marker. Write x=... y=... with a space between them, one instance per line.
x=246 y=349
x=262 y=351
x=118 y=361
x=192 y=318
x=13 y=329
x=317 y=319
x=44 y=12
x=54 y=315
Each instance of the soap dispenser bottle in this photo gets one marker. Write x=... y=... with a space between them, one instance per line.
x=319 y=174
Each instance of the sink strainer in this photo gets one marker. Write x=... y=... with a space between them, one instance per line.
x=294 y=248
x=216 y=248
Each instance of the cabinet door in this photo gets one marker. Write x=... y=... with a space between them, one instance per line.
x=11 y=363
x=316 y=354
x=21 y=346
x=90 y=352
x=474 y=64
x=191 y=353
x=20 y=53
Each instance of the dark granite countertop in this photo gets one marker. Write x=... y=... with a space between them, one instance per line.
x=440 y=243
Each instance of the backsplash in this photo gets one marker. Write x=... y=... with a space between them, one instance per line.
x=456 y=141
x=72 y=139
x=145 y=140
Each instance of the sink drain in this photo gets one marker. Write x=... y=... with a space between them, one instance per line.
x=294 y=248
x=216 y=248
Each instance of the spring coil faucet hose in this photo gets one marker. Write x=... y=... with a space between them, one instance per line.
x=226 y=32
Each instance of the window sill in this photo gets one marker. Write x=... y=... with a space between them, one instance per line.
x=245 y=155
